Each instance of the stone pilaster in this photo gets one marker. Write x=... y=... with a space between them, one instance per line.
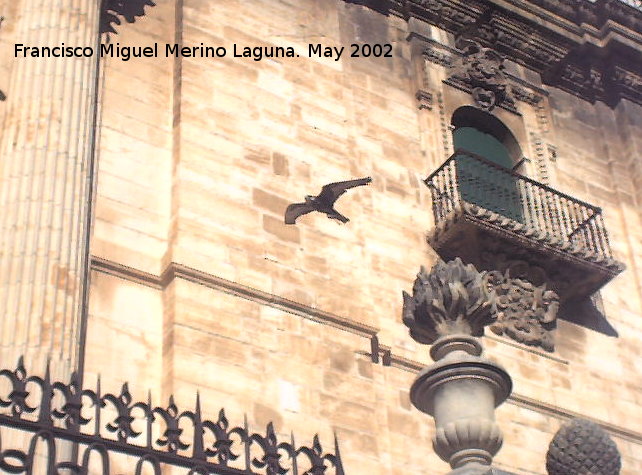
x=46 y=149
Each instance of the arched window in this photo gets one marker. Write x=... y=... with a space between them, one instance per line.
x=486 y=153
x=484 y=134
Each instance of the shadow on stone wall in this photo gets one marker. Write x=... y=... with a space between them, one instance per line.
x=587 y=313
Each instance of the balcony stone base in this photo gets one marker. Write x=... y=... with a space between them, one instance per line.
x=493 y=242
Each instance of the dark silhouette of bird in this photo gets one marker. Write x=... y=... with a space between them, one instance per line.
x=324 y=201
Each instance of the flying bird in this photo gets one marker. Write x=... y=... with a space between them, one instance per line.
x=324 y=201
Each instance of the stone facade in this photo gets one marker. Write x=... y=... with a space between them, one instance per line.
x=198 y=285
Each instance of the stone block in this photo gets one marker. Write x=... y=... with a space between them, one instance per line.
x=281 y=230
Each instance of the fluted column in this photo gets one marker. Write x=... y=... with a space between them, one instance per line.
x=46 y=149
x=448 y=308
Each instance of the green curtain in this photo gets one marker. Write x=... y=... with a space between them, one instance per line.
x=481 y=183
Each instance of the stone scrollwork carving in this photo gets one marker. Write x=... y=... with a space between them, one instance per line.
x=450 y=299
x=521 y=94
x=524 y=312
x=482 y=69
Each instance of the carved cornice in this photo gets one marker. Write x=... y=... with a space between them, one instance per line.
x=424 y=99
x=175 y=270
x=590 y=49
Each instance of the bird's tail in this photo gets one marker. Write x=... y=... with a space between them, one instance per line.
x=338 y=216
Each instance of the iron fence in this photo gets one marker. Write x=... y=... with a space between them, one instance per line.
x=468 y=178
x=97 y=425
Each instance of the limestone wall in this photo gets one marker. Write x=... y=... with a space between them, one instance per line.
x=198 y=284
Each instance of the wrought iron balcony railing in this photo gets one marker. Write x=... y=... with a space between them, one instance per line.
x=466 y=177
x=472 y=196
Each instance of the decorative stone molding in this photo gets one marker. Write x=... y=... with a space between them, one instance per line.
x=424 y=99
x=482 y=70
x=524 y=312
x=540 y=158
x=451 y=298
x=582 y=447
x=521 y=94
x=444 y=126
x=443 y=59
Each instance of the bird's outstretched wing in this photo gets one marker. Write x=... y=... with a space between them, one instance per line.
x=293 y=211
x=332 y=191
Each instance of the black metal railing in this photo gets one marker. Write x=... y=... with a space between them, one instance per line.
x=469 y=178
x=100 y=427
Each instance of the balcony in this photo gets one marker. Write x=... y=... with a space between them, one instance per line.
x=500 y=220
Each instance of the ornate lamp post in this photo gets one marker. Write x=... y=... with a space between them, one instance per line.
x=449 y=307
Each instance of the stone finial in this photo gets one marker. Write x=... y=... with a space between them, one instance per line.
x=581 y=447
x=450 y=299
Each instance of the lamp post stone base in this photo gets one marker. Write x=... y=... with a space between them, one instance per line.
x=461 y=391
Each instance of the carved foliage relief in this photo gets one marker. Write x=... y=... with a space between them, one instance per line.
x=454 y=298
x=524 y=312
